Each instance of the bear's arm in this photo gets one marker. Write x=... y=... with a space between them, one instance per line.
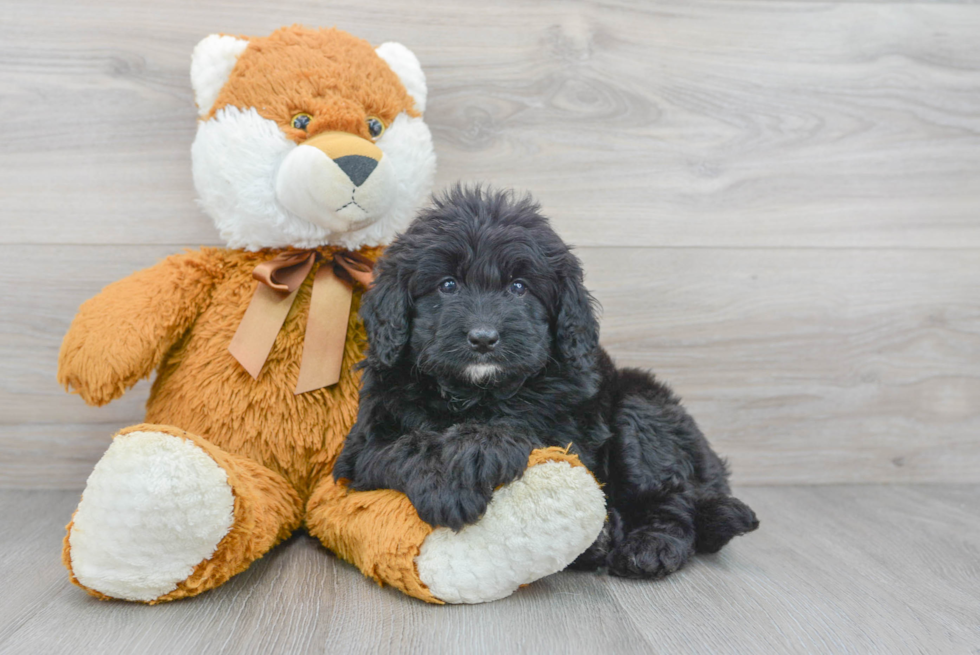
x=122 y=334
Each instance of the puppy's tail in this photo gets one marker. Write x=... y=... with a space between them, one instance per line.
x=718 y=518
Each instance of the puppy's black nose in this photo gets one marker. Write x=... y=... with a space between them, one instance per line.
x=483 y=339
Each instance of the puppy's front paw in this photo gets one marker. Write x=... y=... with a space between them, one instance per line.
x=450 y=507
x=648 y=554
x=484 y=455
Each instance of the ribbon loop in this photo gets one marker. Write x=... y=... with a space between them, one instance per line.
x=356 y=266
x=326 y=328
x=286 y=271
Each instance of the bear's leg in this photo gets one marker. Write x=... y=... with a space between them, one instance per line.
x=166 y=514
x=533 y=527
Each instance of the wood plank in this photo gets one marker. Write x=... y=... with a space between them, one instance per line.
x=809 y=366
x=877 y=569
x=802 y=366
x=669 y=123
x=832 y=570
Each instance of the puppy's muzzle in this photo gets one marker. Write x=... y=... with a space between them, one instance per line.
x=336 y=180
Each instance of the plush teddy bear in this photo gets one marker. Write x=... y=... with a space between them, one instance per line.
x=311 y=154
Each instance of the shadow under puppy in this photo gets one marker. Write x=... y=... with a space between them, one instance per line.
x=484 y=345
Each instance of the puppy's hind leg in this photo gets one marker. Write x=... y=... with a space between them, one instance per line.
x=652 y=480
x=660 y=538
x=719 y=518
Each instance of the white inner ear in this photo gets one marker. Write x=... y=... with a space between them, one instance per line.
x=406 y=66
x=211 y=65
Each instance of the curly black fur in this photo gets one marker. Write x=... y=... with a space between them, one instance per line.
x=448 y=414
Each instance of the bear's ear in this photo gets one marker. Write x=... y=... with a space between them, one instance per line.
x=406 y=66
x=211 y=64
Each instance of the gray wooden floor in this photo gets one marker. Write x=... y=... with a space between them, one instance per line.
x=834 y=569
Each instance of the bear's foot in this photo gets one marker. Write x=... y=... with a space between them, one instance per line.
x=167 y=514
x=533 y=527
x=154 y=508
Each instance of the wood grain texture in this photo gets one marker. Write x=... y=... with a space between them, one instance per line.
x=884 y=569
x=808 y=365
x=669 y=123
x=776 y=201
x=802 y=366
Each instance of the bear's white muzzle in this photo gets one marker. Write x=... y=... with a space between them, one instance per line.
x=336 y=180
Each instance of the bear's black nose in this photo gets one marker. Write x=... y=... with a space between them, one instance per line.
x=483 y=340
x=357 y=167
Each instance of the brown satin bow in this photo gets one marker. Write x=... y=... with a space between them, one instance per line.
x=326 y=328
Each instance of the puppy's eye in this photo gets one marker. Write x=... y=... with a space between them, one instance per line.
x=448 y=285
x=375 y=127
x=302 y=121
x=518 y=287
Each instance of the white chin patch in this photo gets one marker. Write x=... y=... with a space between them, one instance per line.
x=481 y=372
x=264 y=191
x=313 y=187
x=154 y=508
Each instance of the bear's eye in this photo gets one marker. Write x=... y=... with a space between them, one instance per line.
x=302 y=121
x=375 y=127
x=449 y=285
x=518 y=287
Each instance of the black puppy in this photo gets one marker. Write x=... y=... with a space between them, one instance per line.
x=484 y=345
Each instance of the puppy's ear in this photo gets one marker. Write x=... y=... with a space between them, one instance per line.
x=576 y=325
x=385 y=311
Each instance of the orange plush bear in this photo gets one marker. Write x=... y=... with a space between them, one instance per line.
x=311 y=154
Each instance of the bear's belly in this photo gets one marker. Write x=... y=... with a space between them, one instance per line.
x=201 y=388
